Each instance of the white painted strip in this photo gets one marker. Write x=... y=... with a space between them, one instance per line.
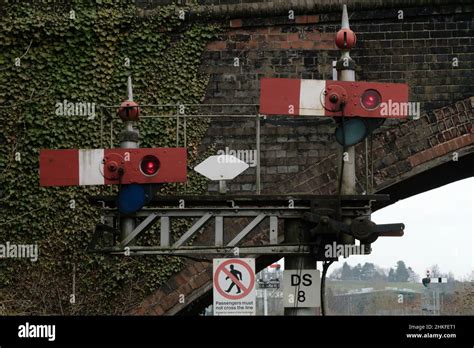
x=164 y=231
x=91 y=167
x=310 y=97
x=334 y=71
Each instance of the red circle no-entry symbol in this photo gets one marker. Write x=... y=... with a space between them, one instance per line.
x=246 y=289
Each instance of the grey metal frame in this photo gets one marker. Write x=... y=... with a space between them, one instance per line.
x=217 y=209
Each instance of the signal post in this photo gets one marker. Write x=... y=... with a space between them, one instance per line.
x=129 y=140
x=298 y=231
x=345 y=66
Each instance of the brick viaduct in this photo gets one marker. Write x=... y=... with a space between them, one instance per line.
x=299 y=155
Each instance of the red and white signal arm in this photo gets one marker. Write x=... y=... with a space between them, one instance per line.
x=112 y=166
x=279 y=96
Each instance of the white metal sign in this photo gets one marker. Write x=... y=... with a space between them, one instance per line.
x=234 y=286
x=222 y=167
x=301 y=288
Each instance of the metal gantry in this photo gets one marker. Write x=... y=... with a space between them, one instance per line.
x=223 y=211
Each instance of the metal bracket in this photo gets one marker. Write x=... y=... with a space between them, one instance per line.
x=319 y=210
x=224 y=251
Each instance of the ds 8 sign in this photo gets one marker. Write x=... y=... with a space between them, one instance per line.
x=301 y=288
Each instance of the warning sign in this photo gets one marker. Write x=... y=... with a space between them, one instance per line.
x=234 y=286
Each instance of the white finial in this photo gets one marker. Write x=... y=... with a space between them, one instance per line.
x=129 y=88
x=345 y=17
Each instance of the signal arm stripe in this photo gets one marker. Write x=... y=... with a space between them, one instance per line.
x=91 y=167
x=310 y=97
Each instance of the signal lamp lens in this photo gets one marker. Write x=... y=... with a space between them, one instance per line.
x=371 y=99
x=355 y=130
x=150 y=165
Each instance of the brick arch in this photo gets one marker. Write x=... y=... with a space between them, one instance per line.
x=443 y=152
x=403 y=151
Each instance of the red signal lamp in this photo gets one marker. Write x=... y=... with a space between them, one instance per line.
x=370 y=99
x=150 y=165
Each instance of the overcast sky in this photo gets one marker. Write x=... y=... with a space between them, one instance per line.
x=439 y=227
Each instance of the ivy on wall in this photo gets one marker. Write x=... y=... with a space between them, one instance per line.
x=84 y=53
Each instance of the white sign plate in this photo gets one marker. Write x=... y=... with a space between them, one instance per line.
x=234 y=286
x=222 y=167
x=301 y=288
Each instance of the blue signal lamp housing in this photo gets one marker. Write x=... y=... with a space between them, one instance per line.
x=131 y=198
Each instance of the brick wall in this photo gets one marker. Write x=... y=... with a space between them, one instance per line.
x=418 y=50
